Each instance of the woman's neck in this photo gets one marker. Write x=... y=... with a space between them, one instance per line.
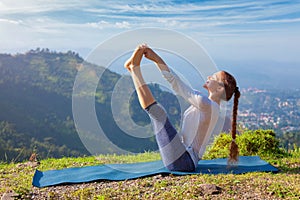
x=215 y=99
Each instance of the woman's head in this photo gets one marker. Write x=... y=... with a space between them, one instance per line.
x=222 y=85
x=230 y=85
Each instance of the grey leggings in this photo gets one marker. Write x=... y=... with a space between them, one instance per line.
x=173 y=152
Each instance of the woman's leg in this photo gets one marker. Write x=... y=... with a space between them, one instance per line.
x=133 y=65
x=173 y=152
x=144 y=94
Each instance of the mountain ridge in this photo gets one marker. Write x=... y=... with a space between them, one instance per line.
x=36 y=102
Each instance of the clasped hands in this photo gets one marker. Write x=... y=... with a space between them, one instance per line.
x=137 y=55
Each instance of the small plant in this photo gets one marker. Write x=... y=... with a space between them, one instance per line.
x=258 y=142
x=84 y=193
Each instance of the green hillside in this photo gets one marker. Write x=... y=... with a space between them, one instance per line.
x=36 y=107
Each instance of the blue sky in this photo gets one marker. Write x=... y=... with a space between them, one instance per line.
x=243 y=36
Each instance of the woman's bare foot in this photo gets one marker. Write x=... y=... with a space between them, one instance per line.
x=136 y=57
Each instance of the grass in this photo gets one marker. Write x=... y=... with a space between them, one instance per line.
x=17 y=177
x=53 y=163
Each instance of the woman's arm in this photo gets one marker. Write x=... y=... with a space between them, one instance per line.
x=151 y=55
x=192 y=96
x=180 y=88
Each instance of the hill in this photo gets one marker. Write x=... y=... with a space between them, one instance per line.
x=36 y=107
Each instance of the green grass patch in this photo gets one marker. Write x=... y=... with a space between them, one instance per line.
x=259 y=142
x=53 y=163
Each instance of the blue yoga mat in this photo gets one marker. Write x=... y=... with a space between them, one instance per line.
x=118 y=172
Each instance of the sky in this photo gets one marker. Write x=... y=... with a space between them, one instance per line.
x=253 y=39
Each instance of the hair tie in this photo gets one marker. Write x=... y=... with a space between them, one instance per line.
x=236 y=89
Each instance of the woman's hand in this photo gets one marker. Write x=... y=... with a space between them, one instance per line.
x=151 y=55
x=136 y=57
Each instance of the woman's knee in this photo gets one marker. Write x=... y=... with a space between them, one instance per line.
x=183 y=163
x=157 y=112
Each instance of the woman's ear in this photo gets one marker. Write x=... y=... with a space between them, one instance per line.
x=221 y=89
x=221 y=92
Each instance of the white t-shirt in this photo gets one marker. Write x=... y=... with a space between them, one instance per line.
x=199 y=119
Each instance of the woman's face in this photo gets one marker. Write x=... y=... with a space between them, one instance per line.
x=213 y=82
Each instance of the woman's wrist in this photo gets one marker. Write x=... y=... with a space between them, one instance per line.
x=159 y=60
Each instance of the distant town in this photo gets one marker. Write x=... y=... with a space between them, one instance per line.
x=270 y=109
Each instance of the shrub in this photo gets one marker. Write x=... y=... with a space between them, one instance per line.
x=257 y=142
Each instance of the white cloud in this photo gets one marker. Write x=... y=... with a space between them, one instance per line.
x=169 y=7
x=36 y=6
x=280 y=21
x=196 y=15
x=100 y=25
x=122 y=25
x=32 y=23
x=108 y=25
x=192 y=15
x=9 y=21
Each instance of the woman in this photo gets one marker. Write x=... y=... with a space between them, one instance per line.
x=182 y=151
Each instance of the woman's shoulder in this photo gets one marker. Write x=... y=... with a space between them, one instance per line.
x=204 y=100
x=200 y=94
